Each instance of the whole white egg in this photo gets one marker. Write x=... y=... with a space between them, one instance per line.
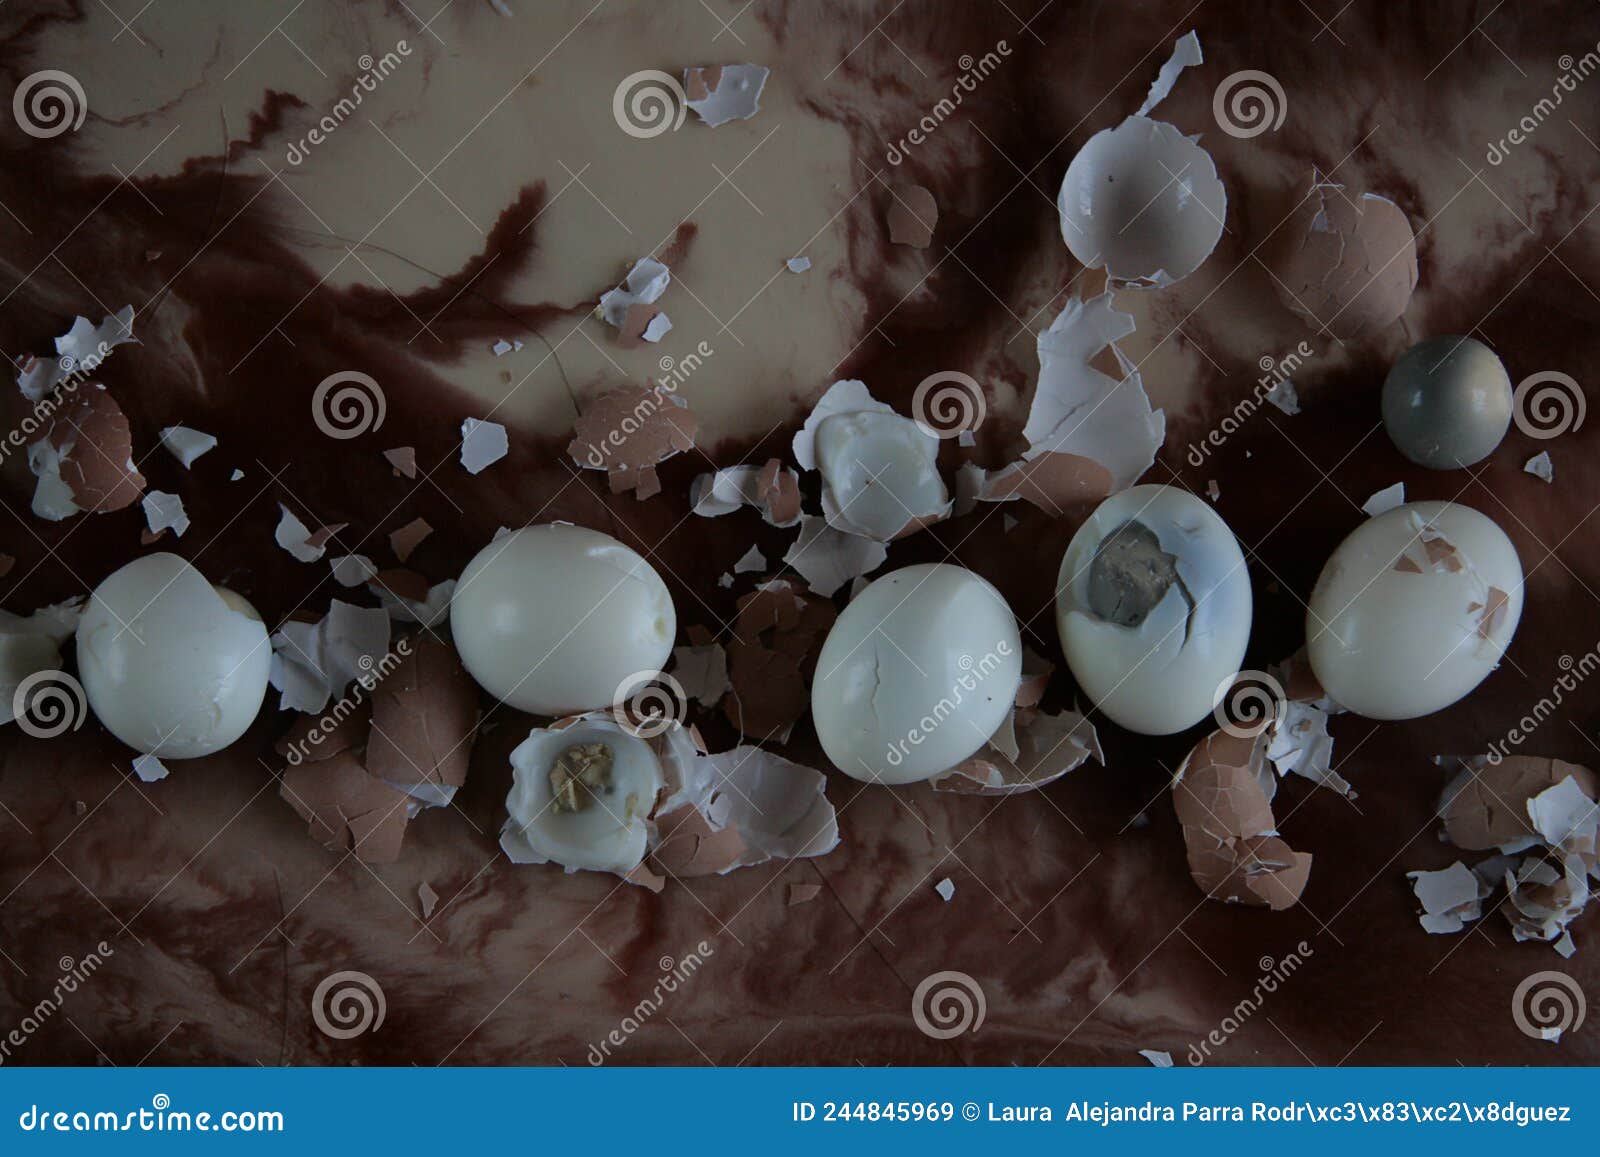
x=1153 y=607
x=916 y=675
x=557 y=619
x=1413 y=610
x=173 y=666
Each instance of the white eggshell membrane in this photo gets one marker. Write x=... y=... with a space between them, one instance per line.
x=1163 y=675
x=172 y=666
x=918 y=672
x=1413 y=610
x=880 y=473
x=611 y=833
x=554 y=619
x=1142 y=200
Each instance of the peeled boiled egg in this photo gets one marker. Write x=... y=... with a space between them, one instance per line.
x=1413 y=610
x=1153 y=606
x=917 y=673
x=1447 y=402
x=173 y=666
x=557 y=619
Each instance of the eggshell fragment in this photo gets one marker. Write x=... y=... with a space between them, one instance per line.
x=776 y=636
x=348 y=808
x=1153 y=607
x=917 y=673
x=1345 y=263
x=911 y=216
x=628 y=431
x=1037 y=750
x=82 y=349
x=424 y=715
x=828 y=558
x=720 y=93
x=1222 y=794
x=84 y=462
x=1413 y=610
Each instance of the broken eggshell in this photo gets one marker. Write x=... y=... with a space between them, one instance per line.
x=557 y=618
x=1143 y=201
x=172 y=666
x=1153 y=607
x=84 y=462
x=880 y=475
x=1413 y=610
x=1222 y=793
x=1344 y=263
x=918 y=672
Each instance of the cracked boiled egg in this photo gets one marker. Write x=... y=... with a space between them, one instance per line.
x=1413 y=610
x=917 y=673
x=173 y=666
x=556 y=619
x=581 y=796
x=1153 y=606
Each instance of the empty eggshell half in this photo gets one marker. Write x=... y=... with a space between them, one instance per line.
x=1153 y=606
x=1144 y=201
x=555 y=619
x=1413 y=610
x=918 y=672
x=171 y=665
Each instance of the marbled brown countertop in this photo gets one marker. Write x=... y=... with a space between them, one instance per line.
x=484 y=191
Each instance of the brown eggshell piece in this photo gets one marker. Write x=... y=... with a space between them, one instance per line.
x=347 y=808
x=98 y=467
x=424 y=715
